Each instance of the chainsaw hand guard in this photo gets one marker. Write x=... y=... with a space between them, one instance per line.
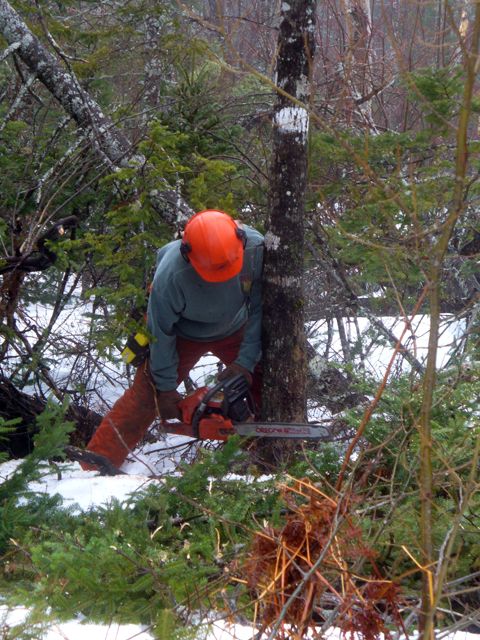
x=230 y=398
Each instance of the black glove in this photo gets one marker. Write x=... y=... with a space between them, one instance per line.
x=167 y=405
x=233 y=370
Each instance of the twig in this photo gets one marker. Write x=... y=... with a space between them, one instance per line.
x=375 y=401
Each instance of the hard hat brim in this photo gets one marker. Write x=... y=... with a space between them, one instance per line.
x=223 y=273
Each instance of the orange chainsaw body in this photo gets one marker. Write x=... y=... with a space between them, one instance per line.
x=211 y=428
x=209 y=420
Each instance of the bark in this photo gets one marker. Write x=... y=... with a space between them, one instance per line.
x=108 y=139
x=16 y=404
x=284 y=343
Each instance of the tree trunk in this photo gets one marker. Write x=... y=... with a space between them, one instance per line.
x=359 y=32
x=284 y=343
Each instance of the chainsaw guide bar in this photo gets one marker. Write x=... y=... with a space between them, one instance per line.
x=282 y=430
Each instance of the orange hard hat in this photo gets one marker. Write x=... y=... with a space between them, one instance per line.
x=214 y=244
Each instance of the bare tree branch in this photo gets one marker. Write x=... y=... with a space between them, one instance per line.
x=84 y=110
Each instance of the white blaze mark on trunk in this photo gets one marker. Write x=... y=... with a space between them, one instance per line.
x=292 y=120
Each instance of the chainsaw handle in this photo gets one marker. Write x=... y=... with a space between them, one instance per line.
x=200 y=410
x=202 y=405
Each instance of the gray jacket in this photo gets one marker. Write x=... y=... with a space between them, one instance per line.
x=182 y=304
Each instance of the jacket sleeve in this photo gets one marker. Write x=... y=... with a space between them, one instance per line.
x=251 y=348
x=164 y=308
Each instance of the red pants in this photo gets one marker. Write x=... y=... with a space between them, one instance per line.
x=134 y=412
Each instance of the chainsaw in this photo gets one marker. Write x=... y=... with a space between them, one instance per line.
x=227 y=409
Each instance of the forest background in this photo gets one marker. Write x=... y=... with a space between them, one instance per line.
x=375 y=531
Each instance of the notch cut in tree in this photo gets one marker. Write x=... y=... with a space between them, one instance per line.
x=284 y=343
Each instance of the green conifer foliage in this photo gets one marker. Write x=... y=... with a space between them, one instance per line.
x=167 y=549
x=15 y=516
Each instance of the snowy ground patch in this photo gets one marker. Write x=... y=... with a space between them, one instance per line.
x=85 y=489
x=73 y=630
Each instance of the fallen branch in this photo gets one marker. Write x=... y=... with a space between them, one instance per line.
x=104 y=465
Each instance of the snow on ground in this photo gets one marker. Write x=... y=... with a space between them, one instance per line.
x=74 y=630
x=87 y=488
x=220 y=630
x=379 y=352
x=110 y=381
x=84 y=488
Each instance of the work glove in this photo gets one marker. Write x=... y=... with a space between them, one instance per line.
x=167 y=405
x=233 y=370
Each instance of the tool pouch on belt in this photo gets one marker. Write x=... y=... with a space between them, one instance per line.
x=136 y=350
